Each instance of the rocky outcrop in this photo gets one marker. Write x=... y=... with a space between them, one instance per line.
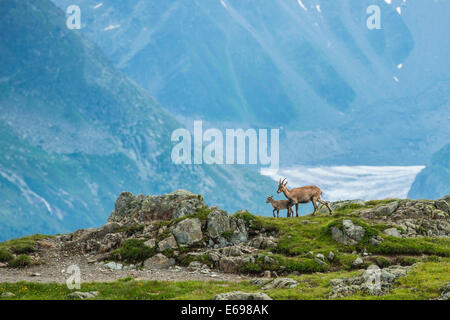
x=239 y=295
x=165 y=244
x=415 y=217
x=349 y=233
x=373 y=281
x=281 y=283
x=188 y=232
x=393 y=232
x=445 y=292
x=158 y=261
x=130 y=209
x=82 y=295
x=224 y=230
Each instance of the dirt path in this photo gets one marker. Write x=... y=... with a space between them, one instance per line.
x=53 y=265
x=56 y=271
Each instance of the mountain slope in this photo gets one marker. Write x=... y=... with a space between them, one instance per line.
x=433 y=182
x=75 y=132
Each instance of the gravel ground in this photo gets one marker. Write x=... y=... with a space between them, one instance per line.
x=53 y=268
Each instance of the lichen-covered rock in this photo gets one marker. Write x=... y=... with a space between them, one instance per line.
x=239 y=295
x=376 y=241
x=373 y=281
x=232 y=251
x=150 y=243
x=416 y=217
x=443 y=205
x=357 y=262
x=393 y=232
x=386 y=209
x=350 y=233
x=331 y=256
x=82 y=295
x=445 y=292
x=281 y=283
x=221 y=226
x=168 y=243
x=188 y=232
x=230 y=264
x=130 y=209
x=158 y=261
x=114 y=265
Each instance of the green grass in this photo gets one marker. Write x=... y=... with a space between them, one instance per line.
x=423 y=282
x=379 y=202
x=22 y=245
x=413 y=246
x=21 y=261
x=131 y=230
x=299 y=237
x=5 y=255
x=227 y=234
x=133 y=251
x=382 y=262
x=202 y=258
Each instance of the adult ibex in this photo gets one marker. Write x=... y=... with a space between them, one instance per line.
x=302 y=195
x=280 y=205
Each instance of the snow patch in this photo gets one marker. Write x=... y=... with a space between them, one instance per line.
x=318 y=8
x=388 y=1
x=31 y=196
x=224 y=4
x=98 y=5
x=399 y=10
x=111 y=27
x=302 y=5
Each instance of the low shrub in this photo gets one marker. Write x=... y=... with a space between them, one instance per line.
x=21 y=261
x=5 y=255
x=202 y=258
x=382 y=262
x=133 y=251
x=131 y=230
x=304 y=266
x=406 y=261
x=23 y=247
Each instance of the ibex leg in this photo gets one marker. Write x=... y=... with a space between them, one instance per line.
x=326 y=204
x=315 y=206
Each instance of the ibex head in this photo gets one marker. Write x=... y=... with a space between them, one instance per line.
x=269 y=199
x=281 y=185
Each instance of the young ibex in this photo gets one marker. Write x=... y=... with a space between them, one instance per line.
x=302 y=195
x=280 y=205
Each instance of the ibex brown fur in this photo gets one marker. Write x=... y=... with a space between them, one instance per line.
x=302 y=195
x=280 y=205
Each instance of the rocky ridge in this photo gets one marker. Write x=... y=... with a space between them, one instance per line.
x=178 y=234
